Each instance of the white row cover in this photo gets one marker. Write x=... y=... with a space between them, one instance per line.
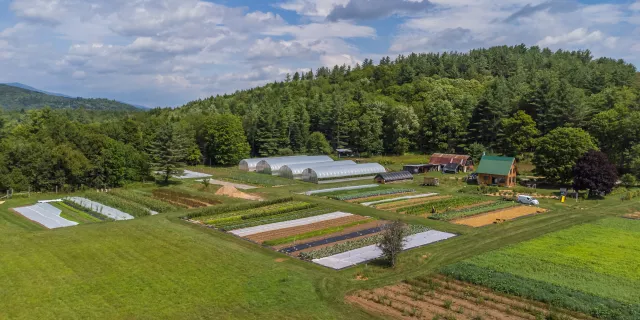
x=294 y=171
x=272 y=166
x=46 y=215
x=356 y=256
x=110 y=212
x=345 y=171
x=288 y=224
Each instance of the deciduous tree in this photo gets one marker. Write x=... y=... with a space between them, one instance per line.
x=595 y=173
x=392 y=241
x=557 y=152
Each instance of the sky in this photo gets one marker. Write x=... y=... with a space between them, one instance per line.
x=163 y=53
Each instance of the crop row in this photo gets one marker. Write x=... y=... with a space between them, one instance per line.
x=441 y=205
x=183 y=198
x=130 y=207
x=598 y=307
x=367 y=194
x=260 y=212
x=467 y=212
x=315 y=233
x=217 y=210
x=233 y=225
x=144 y=200
x=354 y=244
x=87 y=210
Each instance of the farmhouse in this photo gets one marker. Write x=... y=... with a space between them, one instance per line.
x=439 y=160
x=499 y=171
x=389 y=177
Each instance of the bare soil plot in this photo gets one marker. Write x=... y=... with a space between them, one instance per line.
x=635 y=216
x=182 y=199
x=281 y=233
x=235 y=185
x=393 y=206
x=499 y=216
x=441 y=298
x=231 y=191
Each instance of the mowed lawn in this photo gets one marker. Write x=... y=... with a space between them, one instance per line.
x=601 y=258
x=154 y=267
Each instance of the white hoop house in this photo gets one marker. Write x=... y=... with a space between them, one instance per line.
x=251 y=164
x=294 y=171
x=272 y=166
x=345 y=171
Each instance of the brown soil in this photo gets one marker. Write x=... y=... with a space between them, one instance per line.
x=382 y=197
x=348 y=230
x=1 y=202
x=393 y=206
x=276 y=234
x=635 y=215
x=281 y=260
x=231 y=191
x=440 y=297
x=361 y=278
x=499 y=216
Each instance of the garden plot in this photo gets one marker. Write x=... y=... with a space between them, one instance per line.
x=232 y=184
x=417 y=196
x=439 y=297
x=183 y=199
x=288 y=224
x=372 y=252
x=330 y=190
x=397 y=205
x=498 y=216
x=100 y=208
x=46 y=215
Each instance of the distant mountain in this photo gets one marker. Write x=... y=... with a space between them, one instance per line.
x=17 y=97
x=24 y=86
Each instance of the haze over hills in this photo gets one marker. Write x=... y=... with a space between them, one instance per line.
x=18 y=96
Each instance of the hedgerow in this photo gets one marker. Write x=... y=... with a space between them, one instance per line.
x=557 y=296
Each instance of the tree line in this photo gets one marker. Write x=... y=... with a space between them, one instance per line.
x=505 y=100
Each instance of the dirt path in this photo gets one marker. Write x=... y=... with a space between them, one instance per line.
x=635 y=215
x=281 y=233
x=499 y=216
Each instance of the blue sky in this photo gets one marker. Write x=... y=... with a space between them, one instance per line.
x=168 y=52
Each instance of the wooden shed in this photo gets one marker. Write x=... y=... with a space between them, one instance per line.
x=442 y=159
x=500 y=171
x=389 y=177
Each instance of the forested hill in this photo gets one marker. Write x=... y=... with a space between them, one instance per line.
x=15 y=99
x=438 y=102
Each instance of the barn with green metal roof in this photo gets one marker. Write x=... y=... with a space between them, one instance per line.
x=500 y=171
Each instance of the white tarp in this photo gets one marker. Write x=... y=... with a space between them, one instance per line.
x=356 y=256
x=102 y=209
x=188 y=174
x=288 y=224
x=366 y=186
x=45 y=214
x=424 y=195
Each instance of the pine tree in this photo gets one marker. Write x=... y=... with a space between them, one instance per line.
x=169 y=150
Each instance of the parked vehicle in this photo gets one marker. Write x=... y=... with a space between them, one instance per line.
x=525 y=199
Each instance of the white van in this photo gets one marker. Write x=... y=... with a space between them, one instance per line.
x=525 y=199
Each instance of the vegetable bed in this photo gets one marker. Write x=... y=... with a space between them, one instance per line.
x=441 y=205
x=367 y=194
x=467 y=212
x=260 y=212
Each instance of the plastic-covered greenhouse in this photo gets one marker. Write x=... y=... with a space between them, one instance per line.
x=251 y=164
x=272 y=166
x=338 y=172
x=294 y=171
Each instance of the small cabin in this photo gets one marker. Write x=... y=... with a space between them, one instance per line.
x=390 y=177
x=497 y=171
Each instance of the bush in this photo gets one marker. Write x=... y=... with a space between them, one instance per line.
x=628 y=180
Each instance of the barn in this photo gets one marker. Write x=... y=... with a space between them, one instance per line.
x=390 y=177
x=500 y=171
x=439 y=160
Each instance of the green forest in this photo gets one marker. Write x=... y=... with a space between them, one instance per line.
x=538 y=105
x=18 y=99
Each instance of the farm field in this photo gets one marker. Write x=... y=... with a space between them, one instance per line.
x=592 y=268
x=162 y=267
x=438 y=297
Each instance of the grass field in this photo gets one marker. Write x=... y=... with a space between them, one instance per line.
x=161 y=267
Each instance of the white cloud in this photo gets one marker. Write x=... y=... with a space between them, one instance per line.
x=635 y=6
x=313 y=8
x=577 y=36
x=341 y=59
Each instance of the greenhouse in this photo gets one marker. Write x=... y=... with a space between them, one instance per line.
x=251 y=164
x=338 y=172
x=294 y=171
x=390 y=177
x=273 y=165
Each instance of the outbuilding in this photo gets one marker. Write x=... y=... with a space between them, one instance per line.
x=500 y=171
x=415 y=168
x=390 y=177
x=440 y=160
